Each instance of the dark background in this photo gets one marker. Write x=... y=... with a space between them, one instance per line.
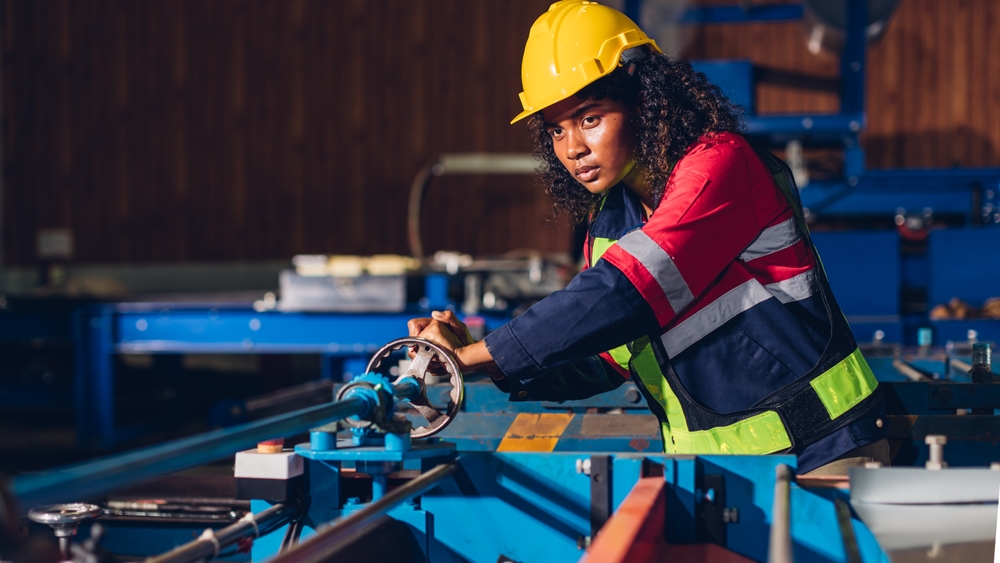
x=194 y=130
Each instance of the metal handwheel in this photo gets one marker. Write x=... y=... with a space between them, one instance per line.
x=426 y=352
x=64 y=520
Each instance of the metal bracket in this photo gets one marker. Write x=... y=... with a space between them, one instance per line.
x=600 y=492
x=714 y=515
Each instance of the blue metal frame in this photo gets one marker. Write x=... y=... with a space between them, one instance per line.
x=861 y=191
x=740 y=14
x=102 y=331
x=26 y=325
x=536 y=507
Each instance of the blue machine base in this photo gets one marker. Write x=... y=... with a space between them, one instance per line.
x=347 y=451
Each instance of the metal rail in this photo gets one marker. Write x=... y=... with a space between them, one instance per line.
x=88 y=480
x=780 y=550
x=350 y=528
x=909 y=371
x=210 y=543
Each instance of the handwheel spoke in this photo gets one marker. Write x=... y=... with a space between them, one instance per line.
x=427 y=356
x=420 y=363
x=426 y=410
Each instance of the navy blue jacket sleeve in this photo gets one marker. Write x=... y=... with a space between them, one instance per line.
x=599 y=310
x=586 y=378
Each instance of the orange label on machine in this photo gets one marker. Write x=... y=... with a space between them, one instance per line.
x=533 y=432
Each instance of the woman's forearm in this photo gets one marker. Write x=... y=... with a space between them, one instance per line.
x=477 y=357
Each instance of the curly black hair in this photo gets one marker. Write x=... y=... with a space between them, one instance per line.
x=672 y=105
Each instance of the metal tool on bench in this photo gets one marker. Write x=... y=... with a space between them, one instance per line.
x=64 y=519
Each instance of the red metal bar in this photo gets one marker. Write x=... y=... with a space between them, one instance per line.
x=635 y=533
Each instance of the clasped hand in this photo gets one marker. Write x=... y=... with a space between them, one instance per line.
x=444 y=329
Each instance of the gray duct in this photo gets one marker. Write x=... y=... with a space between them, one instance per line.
x=824 y=22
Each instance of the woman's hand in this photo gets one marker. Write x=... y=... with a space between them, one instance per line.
x=445 y=329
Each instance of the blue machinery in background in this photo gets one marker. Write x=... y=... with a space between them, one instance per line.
x=971 y=193
x=344 y=340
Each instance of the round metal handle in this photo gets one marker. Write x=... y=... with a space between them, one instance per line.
x=426 y=352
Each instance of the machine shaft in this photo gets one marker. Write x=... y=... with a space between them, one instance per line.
x=91 y=479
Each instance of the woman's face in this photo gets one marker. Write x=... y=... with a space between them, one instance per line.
x=593 y=139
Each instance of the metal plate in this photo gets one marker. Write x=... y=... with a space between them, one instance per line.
x=911 y=526
x=915 y=485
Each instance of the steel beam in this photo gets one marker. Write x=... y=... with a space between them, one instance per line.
x=88 y=480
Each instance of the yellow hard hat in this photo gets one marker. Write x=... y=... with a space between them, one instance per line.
x=573 y=44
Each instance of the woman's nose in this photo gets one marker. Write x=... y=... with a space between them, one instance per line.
x=576 y=147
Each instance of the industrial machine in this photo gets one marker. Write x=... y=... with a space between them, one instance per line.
x=390 y=473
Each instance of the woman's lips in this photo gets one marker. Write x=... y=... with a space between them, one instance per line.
x=587 y=173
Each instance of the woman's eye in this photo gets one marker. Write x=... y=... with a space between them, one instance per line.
x=590 y=120
x=555 y=132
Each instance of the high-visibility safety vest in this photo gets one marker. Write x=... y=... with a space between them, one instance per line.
x=837 y=391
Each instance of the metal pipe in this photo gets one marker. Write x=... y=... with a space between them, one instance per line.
x=909 y=371
x=406 y=387
x=851 y=550
x=210 y=543
x=961 y=366
x=87 y=480
x=348 y=529
x=780 y=550
x=471 y=163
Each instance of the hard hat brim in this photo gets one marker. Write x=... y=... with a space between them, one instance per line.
x=523 y=114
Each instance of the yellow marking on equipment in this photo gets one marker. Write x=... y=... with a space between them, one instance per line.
x=533 y=432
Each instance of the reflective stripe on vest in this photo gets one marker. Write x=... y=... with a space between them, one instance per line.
x=660 y=266
x=840 y=388
x=760 y=434
x=845 y=384
x=772 y=239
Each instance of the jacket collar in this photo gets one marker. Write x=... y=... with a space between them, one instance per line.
x=620 y=212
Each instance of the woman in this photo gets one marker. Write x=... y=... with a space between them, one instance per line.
x=701 y=285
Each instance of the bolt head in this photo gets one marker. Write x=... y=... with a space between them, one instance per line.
x=710 y=495
x=632 y=395
x=936 y=440
x=730 y=515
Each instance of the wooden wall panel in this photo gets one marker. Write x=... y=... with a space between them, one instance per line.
x=177 y=130
x=167 y=130
x=933 y=81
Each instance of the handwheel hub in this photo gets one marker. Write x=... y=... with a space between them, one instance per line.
x=427 y=353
